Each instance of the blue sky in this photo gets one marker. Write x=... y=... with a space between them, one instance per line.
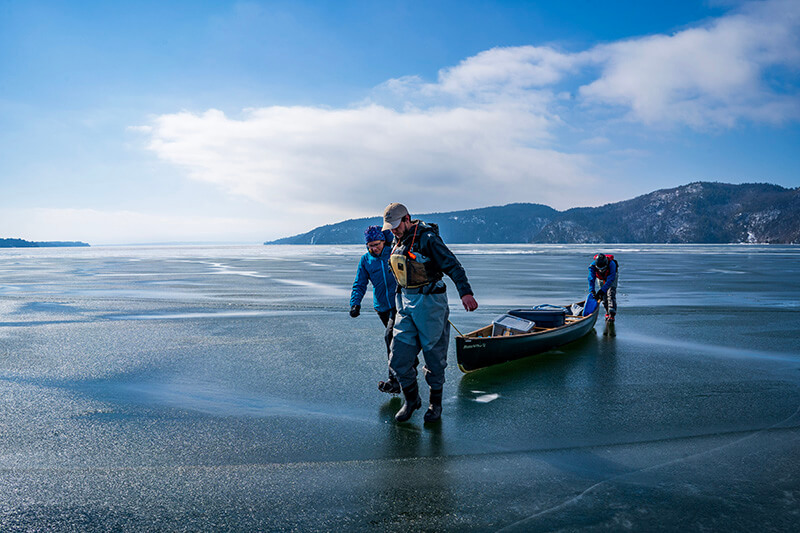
x=127 y=122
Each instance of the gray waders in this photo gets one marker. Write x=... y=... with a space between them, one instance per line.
x=421 y=324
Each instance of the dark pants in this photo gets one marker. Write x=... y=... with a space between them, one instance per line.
x=609 y=299
x=387 y=317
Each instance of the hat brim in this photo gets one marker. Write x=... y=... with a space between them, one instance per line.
x=391 y=224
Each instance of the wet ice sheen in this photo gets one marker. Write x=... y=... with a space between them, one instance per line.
x=141 y=390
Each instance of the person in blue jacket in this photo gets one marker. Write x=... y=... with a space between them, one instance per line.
x=374 y=267
x=604 y=271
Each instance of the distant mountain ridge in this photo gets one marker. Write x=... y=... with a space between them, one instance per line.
x=700 y=212
x=22 y=243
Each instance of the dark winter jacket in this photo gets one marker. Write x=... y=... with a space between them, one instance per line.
x=429 y=244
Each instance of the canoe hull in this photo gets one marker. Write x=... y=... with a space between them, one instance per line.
x=475 y=352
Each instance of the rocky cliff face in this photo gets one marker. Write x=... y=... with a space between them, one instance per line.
x=699 y=212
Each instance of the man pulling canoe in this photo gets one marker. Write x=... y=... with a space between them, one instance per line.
x=419 y=259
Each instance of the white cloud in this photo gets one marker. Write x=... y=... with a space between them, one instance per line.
x=522 y=75
x=360 y=159
x=710 y=76
x=488 y=130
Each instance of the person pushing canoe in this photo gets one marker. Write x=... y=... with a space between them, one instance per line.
x=604 y=271
x=418 y=260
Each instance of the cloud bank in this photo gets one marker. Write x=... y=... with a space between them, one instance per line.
x=117 y=227
x=500 y=126
x=714 y=76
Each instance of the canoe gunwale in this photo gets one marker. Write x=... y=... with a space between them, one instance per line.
x=537 y=331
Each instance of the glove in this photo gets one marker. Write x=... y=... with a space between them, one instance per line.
x=600 y=295
x=355 y=311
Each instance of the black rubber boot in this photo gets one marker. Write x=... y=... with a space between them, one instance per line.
x=390 y=387
x=413 y=402
x=434 y=412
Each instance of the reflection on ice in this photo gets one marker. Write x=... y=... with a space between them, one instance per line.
x=486 y=398
x=222 y=268
x=135 y=294
x=211 y=399
x=45 y=307
x=321 y=288
x=712 y=349
x=136 y=274
x=211 y=314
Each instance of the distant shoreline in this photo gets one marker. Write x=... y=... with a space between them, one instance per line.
x=22 y=243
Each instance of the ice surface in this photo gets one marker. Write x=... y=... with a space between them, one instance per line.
x=140 y=389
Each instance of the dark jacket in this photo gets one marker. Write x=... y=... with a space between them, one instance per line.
x=429 y=244
x=376 y=270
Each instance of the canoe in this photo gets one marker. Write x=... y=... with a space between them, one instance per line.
x=479 y=349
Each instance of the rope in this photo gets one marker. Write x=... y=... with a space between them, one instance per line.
x=455 y=328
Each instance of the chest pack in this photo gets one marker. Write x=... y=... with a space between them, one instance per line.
x=412 y=269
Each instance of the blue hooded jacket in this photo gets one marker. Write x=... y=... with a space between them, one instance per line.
x=376 y=270
x=610 y=278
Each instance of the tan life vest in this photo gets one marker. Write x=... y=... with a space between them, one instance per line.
x=410 y=274
x=409 y=267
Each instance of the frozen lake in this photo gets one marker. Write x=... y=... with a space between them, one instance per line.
x=226 y=388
